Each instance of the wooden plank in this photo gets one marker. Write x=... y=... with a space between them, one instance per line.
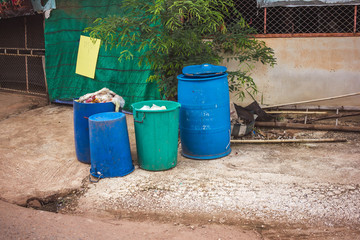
x=313 y=100
x=294 y=112
x=288 y=140
x=317 y=108
x=307 y=126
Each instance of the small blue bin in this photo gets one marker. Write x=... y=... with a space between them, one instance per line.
x=109 y=145
x=82 y=111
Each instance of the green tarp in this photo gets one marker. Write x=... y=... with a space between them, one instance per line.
x=62 y=35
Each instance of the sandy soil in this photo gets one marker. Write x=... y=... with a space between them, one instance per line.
x=284 y=191
x=37 y=155
x=14 y=104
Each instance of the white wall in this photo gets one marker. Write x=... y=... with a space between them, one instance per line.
x=309 y=68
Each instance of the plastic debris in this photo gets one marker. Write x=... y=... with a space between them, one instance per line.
x=102 y=96
x=145 y=107
x=243 y=119
x=153 y=107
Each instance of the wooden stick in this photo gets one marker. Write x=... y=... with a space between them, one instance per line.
x=294 y=112
x=318 y=107
x=313 y=100
x=46 y=85
x=307 y=126
x=328 y=117
x=289 y=140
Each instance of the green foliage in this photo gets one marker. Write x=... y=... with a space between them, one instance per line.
x=171 y=34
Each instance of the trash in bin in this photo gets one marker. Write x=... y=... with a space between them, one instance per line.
x=106 y=101
x=154 y=107
x=102 y=96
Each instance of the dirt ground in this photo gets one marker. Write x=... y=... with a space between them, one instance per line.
x=21 y=223
x=282 y=191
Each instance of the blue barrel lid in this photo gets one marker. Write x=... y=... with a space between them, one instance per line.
x=204 y=70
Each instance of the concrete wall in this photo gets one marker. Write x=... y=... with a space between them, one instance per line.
x=309 y=68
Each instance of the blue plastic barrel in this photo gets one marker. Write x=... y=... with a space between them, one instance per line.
x=82 y=111
x=109 y=145
x=203 y=93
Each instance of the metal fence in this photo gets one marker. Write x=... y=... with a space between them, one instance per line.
x=22 y=55
x=286 y=21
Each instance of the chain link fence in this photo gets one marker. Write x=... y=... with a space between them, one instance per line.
x=303 y=20
x=22 y=55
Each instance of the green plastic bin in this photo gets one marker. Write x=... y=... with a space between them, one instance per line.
x=156 y=133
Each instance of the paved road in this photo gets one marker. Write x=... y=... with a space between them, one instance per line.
x=22 y=223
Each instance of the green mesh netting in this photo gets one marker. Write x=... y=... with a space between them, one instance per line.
x=62 y=35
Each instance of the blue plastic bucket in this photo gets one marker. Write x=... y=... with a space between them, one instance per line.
x=205 y=129
x=109 y=145
x=82 y=111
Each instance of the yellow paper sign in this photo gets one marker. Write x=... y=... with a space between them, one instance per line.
x=87 y=57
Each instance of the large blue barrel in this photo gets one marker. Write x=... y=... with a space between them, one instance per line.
x=82 y=111
x=109 y=145
x=203 y=93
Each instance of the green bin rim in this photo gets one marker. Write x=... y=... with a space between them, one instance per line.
x=136 y=106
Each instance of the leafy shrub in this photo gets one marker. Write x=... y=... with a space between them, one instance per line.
x=172 y=34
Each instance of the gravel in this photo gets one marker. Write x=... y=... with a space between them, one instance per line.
x=273 y=184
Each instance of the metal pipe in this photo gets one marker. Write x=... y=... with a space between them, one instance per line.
x=33 y=49
x=44 y=70
x=295 y=112
x=26 y=59
x=20 y=55
x=337 y=116
x=264 y=20
x=25 y=30
x=308 y=126
x=313 y=100
x=355 y=17
x=27 y=74
x=318 y=107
